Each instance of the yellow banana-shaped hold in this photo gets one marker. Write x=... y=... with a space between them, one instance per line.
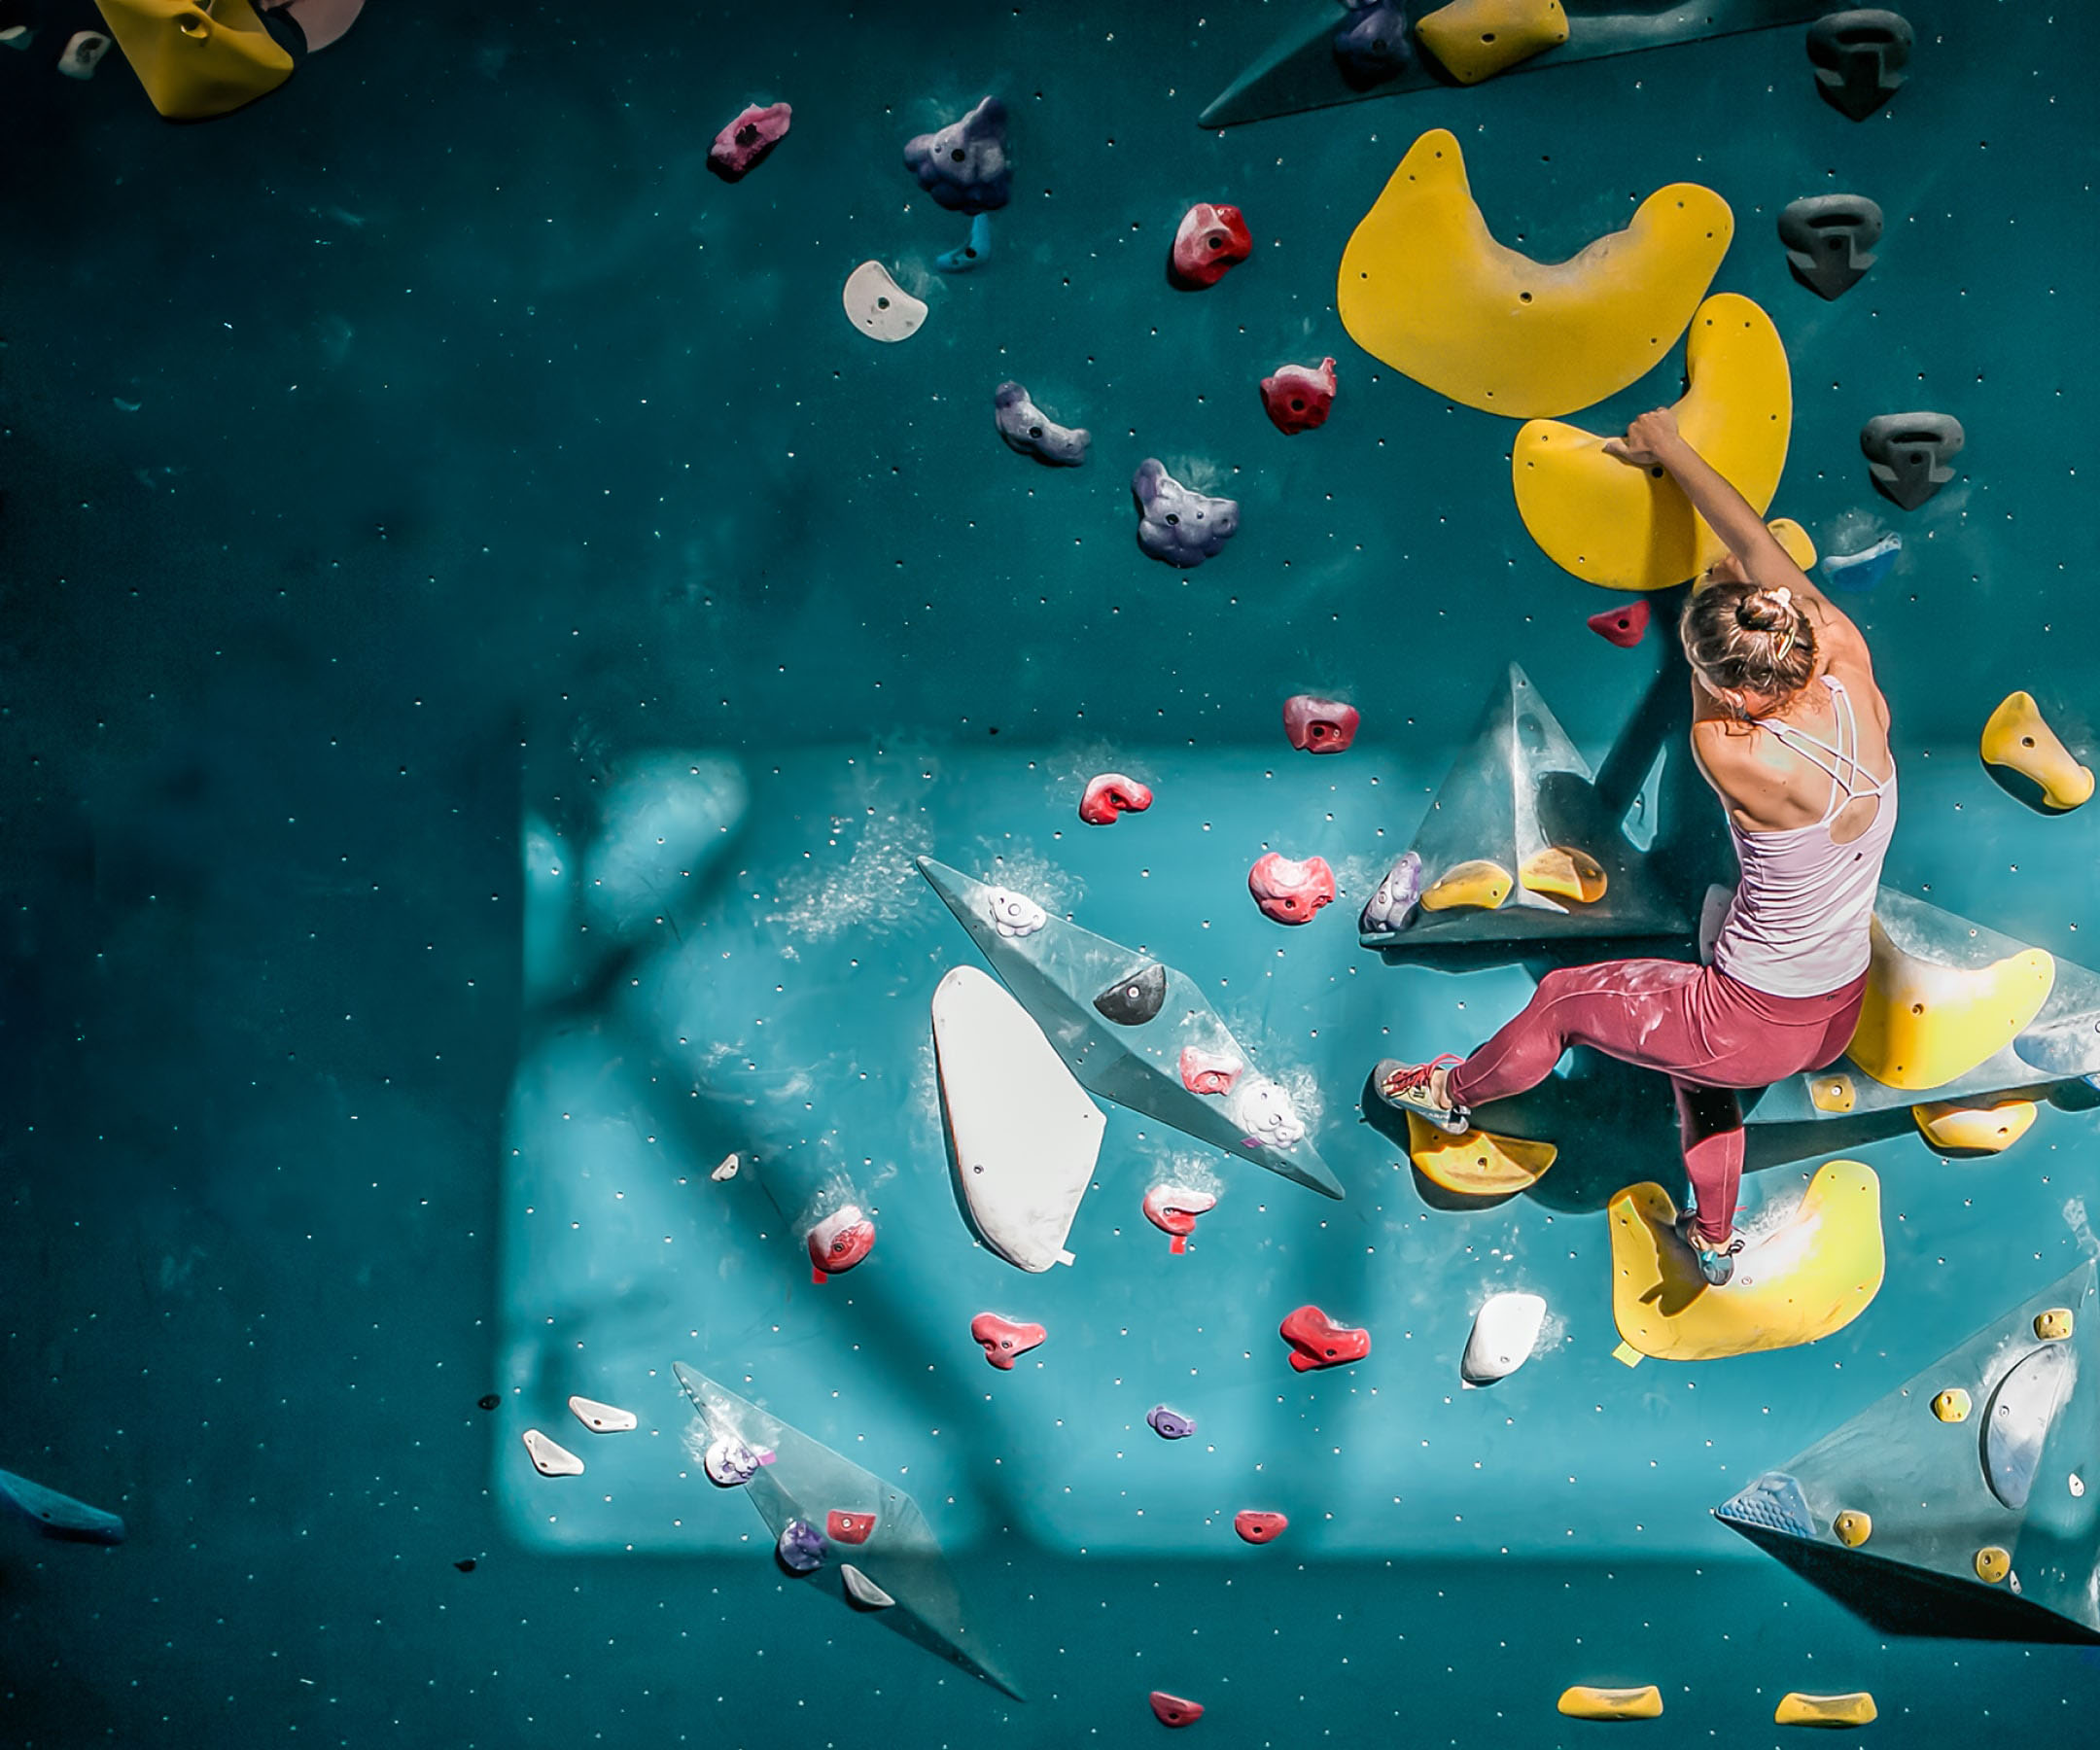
x=1585 y=1701
x=1989 y=1129
x=1566 y=873
x=1476 y=1164
x=1835 y=1711
x=2015 y=737
x=1425 y=287
x=1632 y=528
x=1476 y=39
x=1923 y=1025
x=1477 y=882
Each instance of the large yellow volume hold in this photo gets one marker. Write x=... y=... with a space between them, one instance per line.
x=1991 y=1129
x=1476 y=1164
x=197 y=60
x=1584 y=1703
x=1609 y=522
x=1813 y=1275
x=1564 y=872
x=1838 y=1711
x=2016 y=737
x=1478 y=883
x=1425 y=287
x=1476 y=39
x=1923 y=1024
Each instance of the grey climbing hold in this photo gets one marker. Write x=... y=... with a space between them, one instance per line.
x=964 y=165
x=83 y=53
x=1858 y=59
x=57 y=1516
x=861 y=1593
x=1170 y=1424
x=1374 y=43
x=1391 y=909
x=1911 y=455
x=2023 y=1410
x=1775 y=1502
x=801 y=1546
x=1135 y=997
x=1830 y=241
x=1175 y=525
x=1031 y=432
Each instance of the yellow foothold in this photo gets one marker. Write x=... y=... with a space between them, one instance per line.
x=1632 y=528
x=1853 y=1528
x=1796 y=1710
x=1791 y=536
x=197 y=60
x=1989 y=1129
x=1813 y=1275
x=1424 y=287
x=1992 y=1564
x=1476 y=1164
x=1480 y=882
x=2016 y=737
x=1951 y=1405
x=1831 y=1093
x=1584 y=1703
x=1923 y=1025
x=1476 y=39
x=1626 y=1355
x=2055 y=1326
x=1564 y=872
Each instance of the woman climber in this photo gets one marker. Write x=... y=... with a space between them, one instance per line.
x=1789 y=727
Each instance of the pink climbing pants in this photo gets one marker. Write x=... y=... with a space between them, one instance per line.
x=1708 y=1033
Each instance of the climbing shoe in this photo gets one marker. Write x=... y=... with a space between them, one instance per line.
x=1408 y=1086
x=1716 y=1263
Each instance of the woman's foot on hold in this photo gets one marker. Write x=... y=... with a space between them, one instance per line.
x=1422 y=1089
x=1716 y=1261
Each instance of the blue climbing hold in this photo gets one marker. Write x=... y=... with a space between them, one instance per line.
x=1171 y=1424
x=979 y=246
x=1175 y=525
x=802 y=1548
x=964 y=165
x=1861 y=570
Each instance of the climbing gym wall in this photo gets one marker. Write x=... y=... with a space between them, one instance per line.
x=734 y=741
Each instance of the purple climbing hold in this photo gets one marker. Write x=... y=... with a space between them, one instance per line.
x=802 y=1548
x=1171 y=1424
x=1391 y=908
x=1031 y=432
x=964 y=166
x=1175 y=525
x=741 y=147
x=1373 y=45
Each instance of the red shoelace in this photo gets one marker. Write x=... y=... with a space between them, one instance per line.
x=1417 y=1079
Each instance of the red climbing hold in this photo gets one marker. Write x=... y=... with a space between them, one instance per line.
x=848 y=1528
x=1111 y=794
x=1210 y=241
x=1319 y=725
x=1291 y=891
x=1298 y=396
x=742 y=146
x=1209 y=1071
x=1316 y=1341
x=1621 y=626
x=1171 y=1710
x=1259 y=1528
x=1004 y=1339
x=839 y=1241
x=1174 y=1208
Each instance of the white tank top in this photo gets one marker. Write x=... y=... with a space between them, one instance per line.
x=1798 y=923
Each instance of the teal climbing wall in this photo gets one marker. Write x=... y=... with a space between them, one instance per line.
x=484 y=643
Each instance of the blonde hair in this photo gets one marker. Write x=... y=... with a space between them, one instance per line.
x=1744 y=639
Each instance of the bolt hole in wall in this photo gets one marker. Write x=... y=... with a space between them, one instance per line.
x=494 y=846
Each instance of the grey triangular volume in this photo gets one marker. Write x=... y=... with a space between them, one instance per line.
x=1519 y=789
x=2061 y=1045
x=1121 y=1021
x=1303 y=69
x=877 y=1524
x=1966 y=1502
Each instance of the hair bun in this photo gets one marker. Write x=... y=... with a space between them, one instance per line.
x=1765 y=610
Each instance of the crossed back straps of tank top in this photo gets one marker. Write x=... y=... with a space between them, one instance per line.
x=1851 y=781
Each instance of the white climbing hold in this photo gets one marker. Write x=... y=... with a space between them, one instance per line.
x=600 y=1418
x=862 y=1592
x=879 y=307
x=1264 y=1111
x=82 y=52
x=727 y=1171
x=1014 y=914
x=1504 y=1331
x=729 y=1463
x=551 y=1459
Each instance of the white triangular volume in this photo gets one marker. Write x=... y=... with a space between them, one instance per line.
x=862 y=1592
x=1023 y=1135
x=551 y=1459
x=600 y=1418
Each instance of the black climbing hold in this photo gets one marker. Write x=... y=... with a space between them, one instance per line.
x=1135 y=997
x=1858 y=59
x=490 y=1402
x=1911 y=455
x=1372 y=46
x=467 y=1567
x=1829 y=241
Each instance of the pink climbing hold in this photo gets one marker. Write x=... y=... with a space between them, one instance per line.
x=848 y=1528
x=1208 y=243
x=1209 y=1071
x=1171 y=1710
x=839 y=1241
x=741 y=147
x=1174 y=1208
x=1005 y=1338
x=1316 y=1341
x=1111 y=794
x=1298 y=396
x=1621 y=626
x=1258 y=1527
x=1317 y=726
x=1291 y=891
